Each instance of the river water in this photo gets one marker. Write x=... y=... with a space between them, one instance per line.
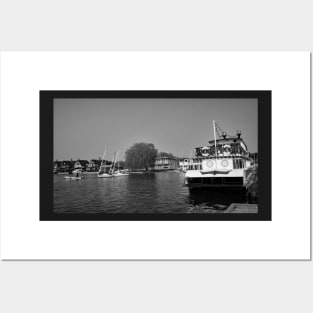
x=160 y=192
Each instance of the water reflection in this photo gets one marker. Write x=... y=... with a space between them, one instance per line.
x=212 y=197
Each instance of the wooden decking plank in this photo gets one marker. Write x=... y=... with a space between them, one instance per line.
x=242 y=208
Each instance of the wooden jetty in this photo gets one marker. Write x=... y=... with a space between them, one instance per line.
x=242 y=208
x=232 y=208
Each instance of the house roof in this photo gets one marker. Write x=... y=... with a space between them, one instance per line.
x=83 y=162
x=67 y=162
x=96 y=161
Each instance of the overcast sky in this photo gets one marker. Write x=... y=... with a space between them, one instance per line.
x=83 y=127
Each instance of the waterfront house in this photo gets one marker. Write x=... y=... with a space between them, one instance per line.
x=80 y=165
x=66 y=166
x=184 y=164
x=62 y=166
x=165 y=163
x=93 y=165
x=56 y=166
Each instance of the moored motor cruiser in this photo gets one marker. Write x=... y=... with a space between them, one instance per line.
x=224 y=163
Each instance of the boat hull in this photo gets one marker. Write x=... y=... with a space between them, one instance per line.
x=105 y=175
x=120 y=174
x=235 y=179
x=213 y=184
x=73 y=178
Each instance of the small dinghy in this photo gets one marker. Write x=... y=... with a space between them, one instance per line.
x=73 y=177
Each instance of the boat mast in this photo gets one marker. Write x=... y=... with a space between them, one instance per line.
x=115 y=156
x=112 y=165
x=100 y=170
x=214 y=139
x=104 y=156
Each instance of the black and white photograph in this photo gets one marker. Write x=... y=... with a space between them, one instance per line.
x=147 y=156
x=155 y=157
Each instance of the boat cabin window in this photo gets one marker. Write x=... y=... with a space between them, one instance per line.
x=238 y=163
x=195 y=166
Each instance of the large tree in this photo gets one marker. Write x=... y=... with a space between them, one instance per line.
x=140 y=156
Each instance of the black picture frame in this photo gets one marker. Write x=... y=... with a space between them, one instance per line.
x=46 y=100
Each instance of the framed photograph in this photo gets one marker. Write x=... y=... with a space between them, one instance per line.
x=155 y=155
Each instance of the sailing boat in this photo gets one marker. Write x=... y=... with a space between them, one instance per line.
x=102 y=171
x=118 y=172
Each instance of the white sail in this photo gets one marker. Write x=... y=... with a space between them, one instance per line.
x=102 y=173
x=103 y=158
x=118 y=172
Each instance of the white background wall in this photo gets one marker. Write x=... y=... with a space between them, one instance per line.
x=44 y=286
